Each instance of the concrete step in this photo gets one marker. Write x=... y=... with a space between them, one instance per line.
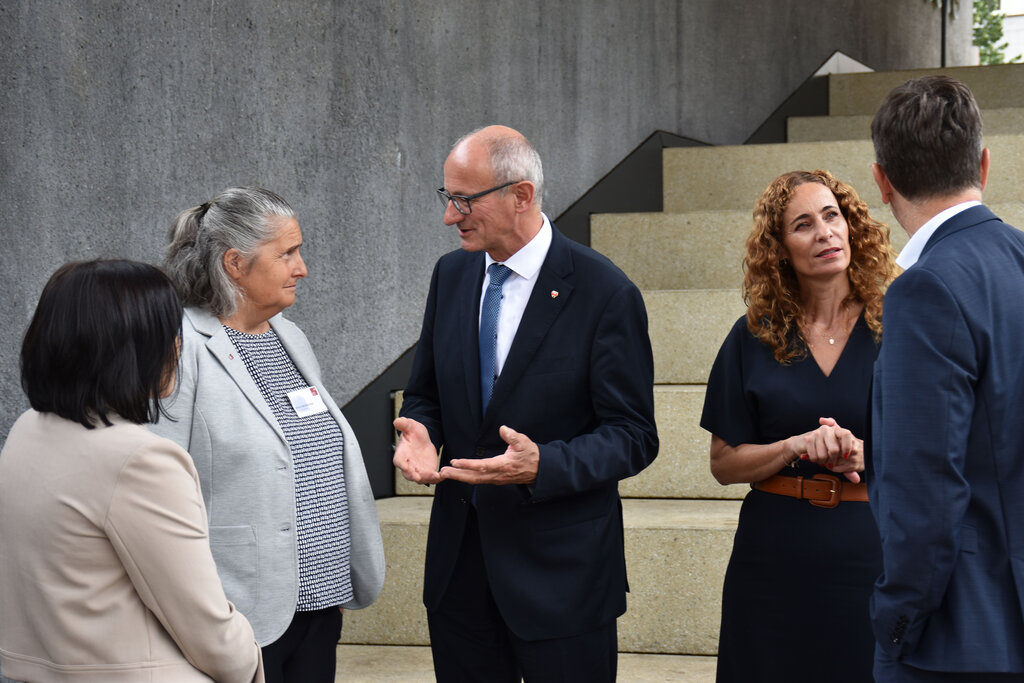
x=687 y=326
x=697 y=249
x=705 y=249
x=995 y=87
x=732 y=177
x=676 y=553
x=412 y=664
x=824 y=128
x=681 y=468
x=693 y=250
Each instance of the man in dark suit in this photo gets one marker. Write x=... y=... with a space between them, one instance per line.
x=541 y=407
x=947 y=488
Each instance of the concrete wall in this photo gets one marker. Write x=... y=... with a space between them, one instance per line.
x=115 y=116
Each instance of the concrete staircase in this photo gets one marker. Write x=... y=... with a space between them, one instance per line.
x=686 y=259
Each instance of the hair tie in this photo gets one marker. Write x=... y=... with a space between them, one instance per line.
x=202 y=211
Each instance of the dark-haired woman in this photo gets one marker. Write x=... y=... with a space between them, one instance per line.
x=105 y=565
x=293 y=523
x=786 y=405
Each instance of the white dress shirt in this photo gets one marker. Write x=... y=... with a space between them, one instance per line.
x=525 y=266
x=913 y=248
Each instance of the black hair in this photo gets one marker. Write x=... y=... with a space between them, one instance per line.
x=103 y=339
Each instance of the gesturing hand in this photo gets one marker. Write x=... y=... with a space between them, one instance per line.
x=415 y=454
x=517 y=465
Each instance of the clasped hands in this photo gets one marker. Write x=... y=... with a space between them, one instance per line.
x=829 y=446
x=416 y=457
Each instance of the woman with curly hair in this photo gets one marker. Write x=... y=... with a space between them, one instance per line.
x=786 y=405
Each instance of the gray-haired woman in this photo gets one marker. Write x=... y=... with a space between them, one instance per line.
x=293 y=524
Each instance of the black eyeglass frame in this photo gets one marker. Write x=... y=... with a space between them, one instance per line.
x=456 y=198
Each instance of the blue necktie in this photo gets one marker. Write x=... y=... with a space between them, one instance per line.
x=489 y=332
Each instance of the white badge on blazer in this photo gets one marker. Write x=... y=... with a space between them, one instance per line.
x=307 y=402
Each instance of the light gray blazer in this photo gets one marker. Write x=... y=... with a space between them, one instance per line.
x=247 y=479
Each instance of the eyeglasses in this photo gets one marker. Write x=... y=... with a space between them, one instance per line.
x=461 y=201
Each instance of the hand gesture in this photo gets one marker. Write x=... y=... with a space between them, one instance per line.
x=415 y=454
x=517 y=465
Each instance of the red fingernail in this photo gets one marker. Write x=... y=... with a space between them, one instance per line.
x=846 y=456
x=828 y=465
x=803 y=457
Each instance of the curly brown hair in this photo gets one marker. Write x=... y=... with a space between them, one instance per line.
x=770 y=287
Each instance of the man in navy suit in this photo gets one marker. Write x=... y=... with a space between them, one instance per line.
x=948 y=403
x=525 y=569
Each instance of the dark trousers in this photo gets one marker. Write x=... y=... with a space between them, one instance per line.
x=308 y=650
x=470 y=641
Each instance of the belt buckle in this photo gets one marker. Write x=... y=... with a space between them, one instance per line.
x=836 y=489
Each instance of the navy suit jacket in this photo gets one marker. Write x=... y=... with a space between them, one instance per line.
x=578 y=380
x=948 y=448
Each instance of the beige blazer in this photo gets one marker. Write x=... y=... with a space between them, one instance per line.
x=106 y=573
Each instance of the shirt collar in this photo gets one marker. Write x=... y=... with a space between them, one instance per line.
x=911 y=252
x=527 y=261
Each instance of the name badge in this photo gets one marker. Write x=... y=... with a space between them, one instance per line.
x=307 y=402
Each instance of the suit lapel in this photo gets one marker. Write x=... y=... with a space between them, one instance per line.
x=467 y=327
x=550 y=294
x=297 y=351
x=219 y=345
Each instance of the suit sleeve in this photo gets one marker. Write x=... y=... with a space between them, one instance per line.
x=420 y=400
x=157 y=524
x=922 y=410
x=624 y=440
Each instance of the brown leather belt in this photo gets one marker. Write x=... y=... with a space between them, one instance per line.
x=823 y=490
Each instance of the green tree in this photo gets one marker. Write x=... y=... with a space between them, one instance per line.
x=988 y=32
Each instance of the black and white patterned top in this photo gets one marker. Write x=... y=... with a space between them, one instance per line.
x=316 y=445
